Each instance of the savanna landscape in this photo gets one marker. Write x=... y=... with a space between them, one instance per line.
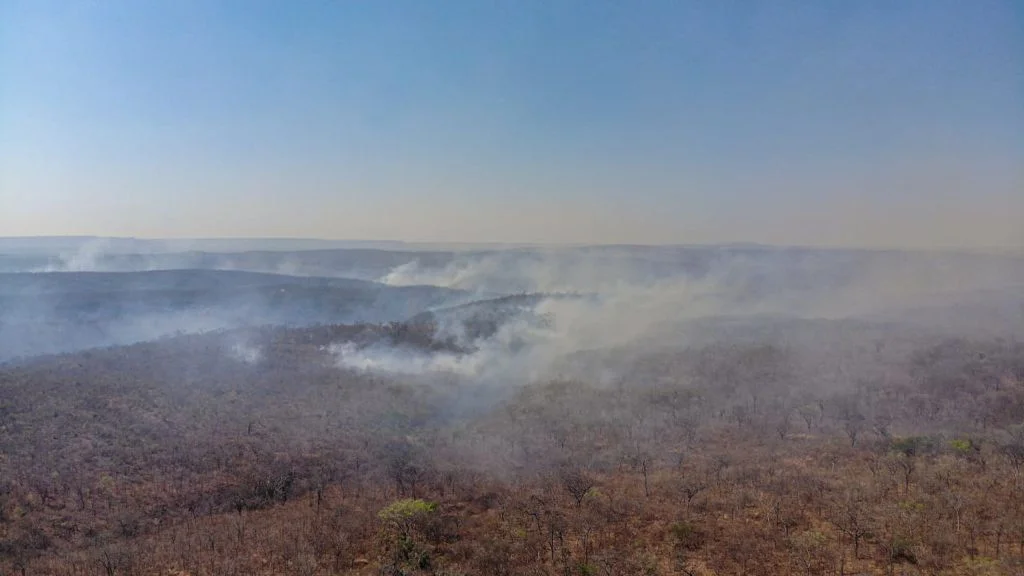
x=694 y=422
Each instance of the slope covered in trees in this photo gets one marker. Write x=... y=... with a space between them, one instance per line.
x=255 y=452
x=43 y=313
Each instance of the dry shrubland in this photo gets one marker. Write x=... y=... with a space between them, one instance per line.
x=180 y=457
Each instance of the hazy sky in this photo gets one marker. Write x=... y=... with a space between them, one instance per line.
x=866 y=123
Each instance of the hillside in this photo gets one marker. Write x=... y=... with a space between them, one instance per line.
x=253 y=452
x=63 y=311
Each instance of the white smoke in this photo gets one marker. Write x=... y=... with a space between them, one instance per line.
x=634 y=303
x=529 y=345
x=515 y=271
x=246 y=353
x=85 y=258
x=511 y=353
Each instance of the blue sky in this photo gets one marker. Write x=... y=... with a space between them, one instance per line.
x=822 y=123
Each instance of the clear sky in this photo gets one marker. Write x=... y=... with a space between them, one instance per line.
x=822 y=123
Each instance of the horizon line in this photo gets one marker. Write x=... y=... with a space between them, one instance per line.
x=466 y=243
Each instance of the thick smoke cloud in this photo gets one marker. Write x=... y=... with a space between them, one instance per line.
x=650 y=300
x=576 y=299
x=533 y=340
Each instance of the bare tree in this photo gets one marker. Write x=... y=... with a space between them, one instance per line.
x=690 y=488
x=850 y=517
x=577 y=483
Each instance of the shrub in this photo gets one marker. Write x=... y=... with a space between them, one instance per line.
x=687 y=535
x=961 y=446
x=402 y=511
x=913 y=445
x=403 y=522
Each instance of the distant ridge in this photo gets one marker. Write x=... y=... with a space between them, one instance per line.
x=122 y=245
